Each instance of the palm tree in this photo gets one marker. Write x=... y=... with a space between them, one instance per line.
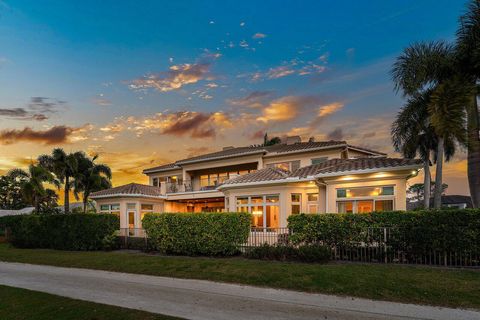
x=32 y=183
x=413 y=134
x=92 y=177
x=65 y=167
x=468 y=65
x=426 y=73
x=447 y=114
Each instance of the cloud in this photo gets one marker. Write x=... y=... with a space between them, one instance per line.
x=286 y=108
x=336 y=134
x=54 y=135
x=195 y=151
x=37 y=109
x=259 y=35
x=253 y=100
x=184 y=123
x=329 y=109
x=175 y=78
x=100 y=100
x=279 y=72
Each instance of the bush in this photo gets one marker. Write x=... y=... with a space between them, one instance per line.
x=210 y=234
x=62 y=232
x=414 y=232
x=304 y=253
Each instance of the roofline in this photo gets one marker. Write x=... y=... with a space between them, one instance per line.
x=151 y=170
x=220 y=157
x=265 y=182
x=314 y=177
x=365 y=150
x=305 y=150
x=126 y=195
x=339 y=173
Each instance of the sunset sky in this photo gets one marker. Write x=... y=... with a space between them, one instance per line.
x=144 y=83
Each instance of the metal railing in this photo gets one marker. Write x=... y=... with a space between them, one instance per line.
x=373 y=245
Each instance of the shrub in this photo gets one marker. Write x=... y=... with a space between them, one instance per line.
x=304 y=253
x=415 y=232
x=62 y=232
x=210 y=234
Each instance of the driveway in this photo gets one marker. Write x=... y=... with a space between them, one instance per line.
x=196 y=299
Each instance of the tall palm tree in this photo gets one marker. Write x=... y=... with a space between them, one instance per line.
x=65 y=168
x=426 y=71
x=92 y=177
x=447 y=114
x=32 y=183
x=413 y=134
x=468 y=65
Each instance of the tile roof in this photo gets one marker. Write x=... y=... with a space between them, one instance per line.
x=164 y=167
x=301 y=146
x=129 y=189
x=366 y=150
x=267 y=174
x=328 y=167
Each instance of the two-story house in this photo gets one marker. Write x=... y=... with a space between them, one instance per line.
x=271 y=182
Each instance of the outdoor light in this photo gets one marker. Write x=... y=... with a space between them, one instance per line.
x=257 y=213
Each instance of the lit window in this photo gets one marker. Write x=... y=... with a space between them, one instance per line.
x=365 y=192
x=144 y=209
x=265 y=210
x=296 y=203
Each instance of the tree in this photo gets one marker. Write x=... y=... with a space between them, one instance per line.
x=11 y=197
x=270 y=142
x=412 y=135
x=92 y=177
x=32 y=184
x=468 y=65
x=447 y=113
x=65 y=168
x=425 y=73
x=416 y=191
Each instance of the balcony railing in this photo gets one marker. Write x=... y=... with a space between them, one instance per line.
x=178 y=187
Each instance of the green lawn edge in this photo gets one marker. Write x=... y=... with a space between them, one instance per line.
x=19 y=304
x=456 y=288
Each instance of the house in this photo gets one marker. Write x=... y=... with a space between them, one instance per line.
x=271 y=182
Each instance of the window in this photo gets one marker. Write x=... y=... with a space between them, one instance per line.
x=155 y=182
x=296 y=203
x=131 y=206
x=319 y=160
x=312 y=202
x=144 y=209
x=287 y=165
x=365 y=192
x=110 y=208
x=207 y=181
x=365 y=199
x=265 y=210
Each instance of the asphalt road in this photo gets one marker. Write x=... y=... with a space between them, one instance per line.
x=196 y=299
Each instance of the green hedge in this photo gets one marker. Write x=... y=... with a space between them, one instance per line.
x=302 y=253
x=417 y=232
x=210 y=234
x=62 y=232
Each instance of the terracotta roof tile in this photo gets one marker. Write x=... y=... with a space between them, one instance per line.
x=164 y=167
x=266 y=174
x=130 y=189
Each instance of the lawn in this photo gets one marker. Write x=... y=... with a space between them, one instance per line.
x=19 y=304
x=423 y=285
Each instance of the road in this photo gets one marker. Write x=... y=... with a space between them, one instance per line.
x=197 y=299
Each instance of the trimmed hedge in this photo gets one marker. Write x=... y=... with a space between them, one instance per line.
x=210 y=234
x=417 y=232
x=63 y=232
x=303 y=253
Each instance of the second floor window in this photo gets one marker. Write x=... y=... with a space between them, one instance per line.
x=155 y=182
x=287 y=165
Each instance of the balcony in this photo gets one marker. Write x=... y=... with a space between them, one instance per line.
x=174 y=187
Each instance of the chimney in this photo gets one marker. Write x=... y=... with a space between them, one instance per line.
x=228 y=148
x=293 y=140
x=311 y=139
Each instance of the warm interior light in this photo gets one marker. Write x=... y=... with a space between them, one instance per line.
x=257 y=213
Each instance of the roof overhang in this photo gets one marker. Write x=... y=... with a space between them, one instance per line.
x=373 y=170
x=221 y=157
x=127 y=195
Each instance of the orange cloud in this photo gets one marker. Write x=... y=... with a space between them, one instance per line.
x=175 y=78
x=53 y=135
x=329 y=109
x=286 y=108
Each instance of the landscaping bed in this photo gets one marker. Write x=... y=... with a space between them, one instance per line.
x=421 y=285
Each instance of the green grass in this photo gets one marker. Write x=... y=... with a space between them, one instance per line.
x=19 y=304
x=423 y=285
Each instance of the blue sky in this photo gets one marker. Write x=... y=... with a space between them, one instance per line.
x=149 y=82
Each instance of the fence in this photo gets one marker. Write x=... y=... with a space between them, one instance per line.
x=377 y=245
x=133 y=238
